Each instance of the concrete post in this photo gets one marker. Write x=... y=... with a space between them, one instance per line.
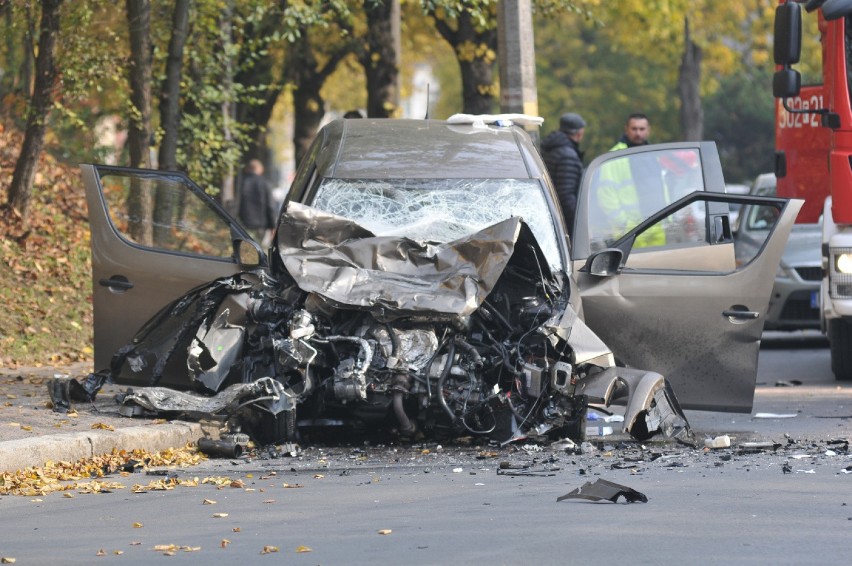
x=518 y=93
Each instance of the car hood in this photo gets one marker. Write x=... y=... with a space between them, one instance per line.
x=351 y=267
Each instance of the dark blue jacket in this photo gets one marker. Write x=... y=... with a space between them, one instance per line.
x=564 y=162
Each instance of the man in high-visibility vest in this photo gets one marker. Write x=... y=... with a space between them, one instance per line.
x=618 y=196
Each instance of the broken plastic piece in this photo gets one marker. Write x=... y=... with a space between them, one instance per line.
x=774 y=415
x=605 y=490
x=723 y=441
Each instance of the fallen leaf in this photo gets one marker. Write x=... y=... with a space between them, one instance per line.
x=135 y=543
x=220 y=515
x=269 y=501
x=209 y=502
x=268 y=549
x=304 y=549
x=292 y=485
x=102 y=426
x=8 y=560
x=137 y=525
x=318 y=476
x=225 y=542
x=118 y=552
x=237 y=483
x=101 y=552
x=385 y=531
x=236 y=529
x=68 y=495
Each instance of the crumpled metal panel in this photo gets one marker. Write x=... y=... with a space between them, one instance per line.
x=348 y=265
x=163 y=399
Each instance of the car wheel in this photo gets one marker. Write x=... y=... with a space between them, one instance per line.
x=277 y=429
x=840 y=341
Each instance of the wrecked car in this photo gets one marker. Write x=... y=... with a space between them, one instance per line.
x=421 y=281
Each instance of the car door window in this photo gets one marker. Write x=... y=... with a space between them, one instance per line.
x=626 y=190
x=161 y=212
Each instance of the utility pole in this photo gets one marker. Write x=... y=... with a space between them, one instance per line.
x=518 y=93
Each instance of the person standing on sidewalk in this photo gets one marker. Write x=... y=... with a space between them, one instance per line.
x=255 y=201
x=564 y=160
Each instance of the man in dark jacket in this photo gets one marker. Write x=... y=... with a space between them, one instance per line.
x=564 y=160
x=257 y=212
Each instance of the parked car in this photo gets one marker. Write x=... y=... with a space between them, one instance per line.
x=421 y=280
x=794 y=303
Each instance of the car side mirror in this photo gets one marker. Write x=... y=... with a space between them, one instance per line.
x=248 y=253
x=605 y=262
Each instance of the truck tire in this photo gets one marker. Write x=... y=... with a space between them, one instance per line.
x=840 y=341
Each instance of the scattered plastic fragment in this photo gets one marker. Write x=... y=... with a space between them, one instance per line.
x=757 y=446
x=723 y=441
x=774 y=415
x=564 y=444
x=602 y=490
x=788 y=383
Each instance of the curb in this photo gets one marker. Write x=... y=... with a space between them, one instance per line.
x=30 y=452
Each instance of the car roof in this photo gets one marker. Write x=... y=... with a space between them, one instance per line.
x=424 y=149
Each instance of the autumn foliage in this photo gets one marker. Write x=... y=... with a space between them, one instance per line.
x=45 y=288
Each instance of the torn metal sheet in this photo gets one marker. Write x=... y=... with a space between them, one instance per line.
x=348 y=265
x=603 y=490
x=165 y=400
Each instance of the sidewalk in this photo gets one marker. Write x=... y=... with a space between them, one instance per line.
x=31 y=433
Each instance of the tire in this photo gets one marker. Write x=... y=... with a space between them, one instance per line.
x=840 y=342
x=277 y=429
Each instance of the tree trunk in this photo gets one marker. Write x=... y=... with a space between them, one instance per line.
x=308 y=78
x=20 y=191
x=164 y=204
x=476 y=54
x=255 y=73
x=226 y=23
x=689 y=86
x=380 y=61
x=139 y=130
x=170 y=96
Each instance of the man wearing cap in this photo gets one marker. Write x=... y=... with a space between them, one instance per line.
x=564 y=160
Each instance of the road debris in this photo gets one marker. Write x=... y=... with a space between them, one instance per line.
x=602 y=489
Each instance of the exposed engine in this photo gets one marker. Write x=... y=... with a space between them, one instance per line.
x=490 y=373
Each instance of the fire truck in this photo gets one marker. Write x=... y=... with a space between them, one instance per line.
x=813 y=159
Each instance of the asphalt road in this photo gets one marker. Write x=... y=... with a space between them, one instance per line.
x=456 y=504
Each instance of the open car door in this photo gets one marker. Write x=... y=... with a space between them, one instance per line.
x=660 y=282
x=155 y=235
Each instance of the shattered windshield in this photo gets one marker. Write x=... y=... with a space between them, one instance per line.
x=440 y=210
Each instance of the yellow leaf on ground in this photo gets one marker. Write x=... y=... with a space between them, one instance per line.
x=208 y=502
x=225 y=542
x=268 y=549
x=385 y=531
x=102 y=426
x=137 y=525
x=303 y=548
x=8 y=560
